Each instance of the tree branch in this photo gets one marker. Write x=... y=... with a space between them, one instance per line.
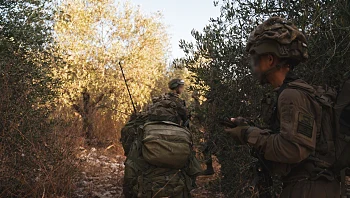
x=78 y=109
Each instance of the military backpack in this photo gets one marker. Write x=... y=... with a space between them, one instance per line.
x=166 y=144
x=333 y=138
x=163 y=109
x=161 y=162
x=131 y=130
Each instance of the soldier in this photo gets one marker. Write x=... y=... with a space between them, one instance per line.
x=177 y=87
x=291 y=143
x=146 y=175
x=169 y=106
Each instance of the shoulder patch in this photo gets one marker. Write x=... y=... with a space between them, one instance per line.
x=305 y=124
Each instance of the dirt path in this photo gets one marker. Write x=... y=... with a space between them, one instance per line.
x=102 y=175
x=103 y=172
x=205 y=183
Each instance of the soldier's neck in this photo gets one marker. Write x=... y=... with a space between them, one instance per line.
x=276 y=80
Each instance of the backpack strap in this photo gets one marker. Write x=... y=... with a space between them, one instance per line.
x=273 y=122
x=324 y=98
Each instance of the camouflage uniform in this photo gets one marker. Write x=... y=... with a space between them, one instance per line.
x=291 y=144
x=145 y=179
x=180 y=107
x=181 y=110
x=168 y=107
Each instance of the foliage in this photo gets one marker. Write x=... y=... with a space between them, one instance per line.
x=219 y=62
x=31 y=162
x=94 y=37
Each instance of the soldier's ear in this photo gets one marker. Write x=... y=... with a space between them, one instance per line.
x=271 y=60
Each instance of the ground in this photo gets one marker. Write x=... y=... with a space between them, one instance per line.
x=102 y=172
x=205 y=183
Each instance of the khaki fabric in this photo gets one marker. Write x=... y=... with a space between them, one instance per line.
x=166 y=144
x=293 y=143
x=289 y=149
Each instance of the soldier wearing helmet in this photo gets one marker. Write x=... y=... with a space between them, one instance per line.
x=169 y=106
x=177 y=87
x=290 y=144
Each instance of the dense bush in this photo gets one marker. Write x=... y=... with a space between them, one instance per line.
x=219 y=62
x=34 y=162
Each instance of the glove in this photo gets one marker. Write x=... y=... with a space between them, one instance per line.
x=239 y=132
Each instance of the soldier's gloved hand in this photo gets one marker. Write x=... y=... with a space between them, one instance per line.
x=239 y=132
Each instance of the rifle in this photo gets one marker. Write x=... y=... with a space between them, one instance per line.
x=262 y=179
x=127 y=87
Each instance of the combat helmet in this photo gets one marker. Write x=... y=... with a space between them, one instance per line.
x=280 y=37
x=174 y=83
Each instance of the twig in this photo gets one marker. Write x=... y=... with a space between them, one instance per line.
x=43 y=194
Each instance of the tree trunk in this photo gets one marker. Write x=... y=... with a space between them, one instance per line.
x=86 y=111
x=87 y=118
